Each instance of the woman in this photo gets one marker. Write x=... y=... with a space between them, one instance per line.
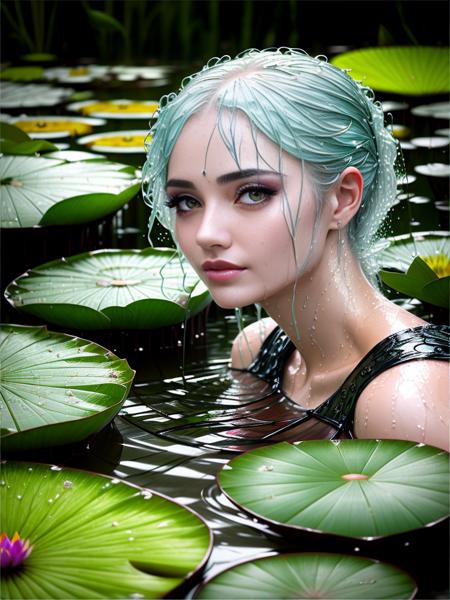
x=274 y=171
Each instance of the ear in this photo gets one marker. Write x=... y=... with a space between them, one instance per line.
x=347 y=194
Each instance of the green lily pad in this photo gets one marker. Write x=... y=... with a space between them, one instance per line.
x=48 y=191
x=55 y=388
x=21 y=95
x=112 y=289
x=432 y=246
x=39 y=57
x=308 y=575
x=22 y=73
x=412 y=70
x=96 y=537
x=15 y=141
x=425 y=258
x=420 y=282
x=363 y=489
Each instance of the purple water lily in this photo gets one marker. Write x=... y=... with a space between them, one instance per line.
x=13 y=551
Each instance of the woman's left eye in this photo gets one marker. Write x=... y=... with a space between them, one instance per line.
x=255 y=195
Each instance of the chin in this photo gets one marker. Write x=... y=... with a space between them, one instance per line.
x=231 y=303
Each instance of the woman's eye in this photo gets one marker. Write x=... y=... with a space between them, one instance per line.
x=183 y=203
x=255 y=196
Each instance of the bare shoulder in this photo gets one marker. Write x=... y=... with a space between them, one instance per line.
x=247 y=343
x=409 y=401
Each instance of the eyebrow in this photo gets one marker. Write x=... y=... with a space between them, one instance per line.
x=222 y=179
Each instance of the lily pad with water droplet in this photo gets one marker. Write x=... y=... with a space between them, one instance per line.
x=96 y=537
x=309 y=575
x=55 y=388
x=39 y=190
x=112 y=289
x=317 y=486
x=412 y=70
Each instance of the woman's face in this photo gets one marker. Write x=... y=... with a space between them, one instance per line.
x=235 y=223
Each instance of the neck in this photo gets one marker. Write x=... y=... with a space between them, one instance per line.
x=326 y=315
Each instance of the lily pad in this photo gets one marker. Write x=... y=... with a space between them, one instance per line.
x=116 y=109
x=123 y=142
x=412 y=70
x=363 y=489
x=22 y=73
x=424 y=258
x=421 y=282
x=309 y=575
x=436 y=110
x=38 y=190
x=55 y=388
x=76 y=74
x=52 y=127
x=17 y=95
x=433 y=247
x=16 y=142
x=96 y=537
x=112 y=289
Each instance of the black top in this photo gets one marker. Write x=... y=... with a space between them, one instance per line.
x=423 y=342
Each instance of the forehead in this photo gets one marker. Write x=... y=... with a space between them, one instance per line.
x=209 y=141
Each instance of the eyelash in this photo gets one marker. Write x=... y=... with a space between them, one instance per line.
x=174 y=201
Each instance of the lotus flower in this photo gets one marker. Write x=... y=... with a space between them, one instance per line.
x=14 y=551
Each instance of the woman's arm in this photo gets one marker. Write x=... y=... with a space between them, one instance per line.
x=408 y=402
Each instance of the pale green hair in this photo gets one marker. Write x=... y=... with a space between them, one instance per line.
x=311 y=109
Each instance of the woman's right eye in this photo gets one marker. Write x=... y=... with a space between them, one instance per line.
x=183 y=203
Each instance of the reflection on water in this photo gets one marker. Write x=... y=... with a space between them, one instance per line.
x=187 y=472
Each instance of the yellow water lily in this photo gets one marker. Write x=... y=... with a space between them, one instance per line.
x=119 y=107
x=439 y=263
x=125 y=141
x=43 y=125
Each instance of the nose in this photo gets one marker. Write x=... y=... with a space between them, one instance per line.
x=214 y=228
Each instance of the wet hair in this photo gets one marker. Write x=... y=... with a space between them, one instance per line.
x=308 y=107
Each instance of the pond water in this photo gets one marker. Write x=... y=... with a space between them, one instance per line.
x=182 y=465
x=187 y=472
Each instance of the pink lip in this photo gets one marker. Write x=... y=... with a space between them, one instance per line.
x=221 y=270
